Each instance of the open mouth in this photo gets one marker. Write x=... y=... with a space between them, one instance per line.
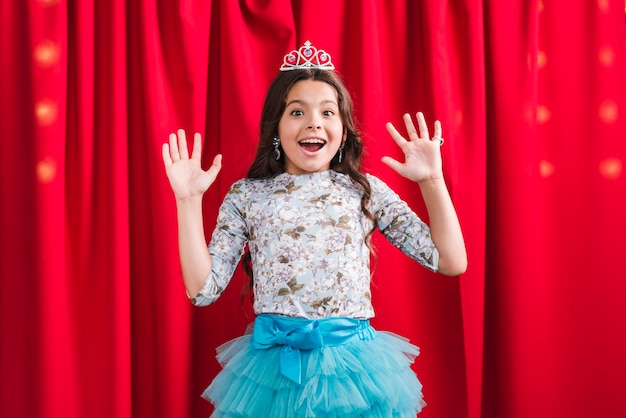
x=312 y=144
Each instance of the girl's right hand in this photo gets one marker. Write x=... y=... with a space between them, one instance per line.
x=185 y=174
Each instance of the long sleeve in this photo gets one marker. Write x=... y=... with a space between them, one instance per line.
x=226 y=247
x=401 y=226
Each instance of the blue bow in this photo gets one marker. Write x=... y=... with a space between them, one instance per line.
x=295 y=334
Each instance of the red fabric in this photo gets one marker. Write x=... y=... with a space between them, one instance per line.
x=94 y=319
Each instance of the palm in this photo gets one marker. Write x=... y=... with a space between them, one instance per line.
x=422 y=156
x=185 y=172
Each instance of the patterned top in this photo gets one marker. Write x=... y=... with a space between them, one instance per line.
x=306 y=235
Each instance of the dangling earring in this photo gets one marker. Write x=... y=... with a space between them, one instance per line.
x=343 y=144
x=276 y=143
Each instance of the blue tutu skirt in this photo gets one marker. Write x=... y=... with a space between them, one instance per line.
x=357 y=379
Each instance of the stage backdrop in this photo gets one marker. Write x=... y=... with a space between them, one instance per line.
x=93 y=314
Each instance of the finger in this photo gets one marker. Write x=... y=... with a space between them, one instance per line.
x=173 y=148
x=182 y=144
x=217 y=163
x=215 y=167
x=421 y=124
x=410 y=127
x=167 y=159
x=438 y=130
x=399 y=139
x=197 y=146
x=394 y=164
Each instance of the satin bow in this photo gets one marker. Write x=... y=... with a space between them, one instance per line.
x=295 y=334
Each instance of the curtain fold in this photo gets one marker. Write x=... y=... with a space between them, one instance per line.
x=555 y=184
x=94 y=319
x=512 y=208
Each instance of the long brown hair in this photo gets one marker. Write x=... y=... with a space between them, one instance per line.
x=265 y=165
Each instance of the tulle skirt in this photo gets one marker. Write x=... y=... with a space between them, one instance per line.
x=358 y=379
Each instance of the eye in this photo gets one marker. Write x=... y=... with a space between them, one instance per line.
x=328 y=113
x=296 y=113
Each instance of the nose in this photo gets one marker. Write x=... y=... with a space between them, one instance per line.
x=314 y=123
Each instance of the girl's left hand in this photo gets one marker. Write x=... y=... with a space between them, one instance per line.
x=422 y=155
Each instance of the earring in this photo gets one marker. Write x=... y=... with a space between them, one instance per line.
x=276 y=143
x=343 y=144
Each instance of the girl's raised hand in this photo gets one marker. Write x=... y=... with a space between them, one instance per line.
x=185 y=173
x=422 y=155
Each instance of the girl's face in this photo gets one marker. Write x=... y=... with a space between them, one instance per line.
x=310 y=129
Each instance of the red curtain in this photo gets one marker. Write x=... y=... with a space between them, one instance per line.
x=93 y=314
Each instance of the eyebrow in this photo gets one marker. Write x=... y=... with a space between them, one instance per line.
x=303 y=102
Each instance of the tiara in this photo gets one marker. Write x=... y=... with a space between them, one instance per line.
x=307 y=57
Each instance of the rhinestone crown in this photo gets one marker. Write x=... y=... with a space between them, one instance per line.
x=307 y=56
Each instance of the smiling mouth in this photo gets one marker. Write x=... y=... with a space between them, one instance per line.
x=312 y=144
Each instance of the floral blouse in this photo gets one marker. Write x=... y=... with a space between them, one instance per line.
x=306 y=236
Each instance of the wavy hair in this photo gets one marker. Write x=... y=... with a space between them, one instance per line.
x=265 y=165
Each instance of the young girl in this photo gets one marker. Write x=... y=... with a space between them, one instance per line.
x=307 y=213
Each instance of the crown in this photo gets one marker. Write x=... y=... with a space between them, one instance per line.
x=307 y=56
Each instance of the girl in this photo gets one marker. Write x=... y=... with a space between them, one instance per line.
x=307 y=213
